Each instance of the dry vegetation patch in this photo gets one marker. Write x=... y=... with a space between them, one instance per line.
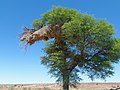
x=80 y=86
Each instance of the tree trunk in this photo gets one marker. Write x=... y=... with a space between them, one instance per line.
x=65 y=80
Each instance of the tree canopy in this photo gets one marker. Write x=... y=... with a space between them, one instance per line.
x=76 y=43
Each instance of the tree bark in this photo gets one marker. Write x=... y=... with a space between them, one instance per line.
x=66 y=80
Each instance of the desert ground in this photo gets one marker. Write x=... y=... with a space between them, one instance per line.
x=53 y=86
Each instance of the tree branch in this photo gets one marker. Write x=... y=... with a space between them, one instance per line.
x=99 y=52
x=74 y=63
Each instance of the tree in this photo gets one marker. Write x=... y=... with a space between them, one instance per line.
x=76 y=43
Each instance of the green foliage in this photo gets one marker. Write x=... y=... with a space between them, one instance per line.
x=94 y=38
x=38 y=23
x=56 y=59
x=87 y=45
x=57 y=15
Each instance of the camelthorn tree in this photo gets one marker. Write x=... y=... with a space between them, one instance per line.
x=76 y=43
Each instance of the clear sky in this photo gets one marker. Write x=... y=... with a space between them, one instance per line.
x=20 y=66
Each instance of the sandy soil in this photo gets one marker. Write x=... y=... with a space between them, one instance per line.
x=53 y=86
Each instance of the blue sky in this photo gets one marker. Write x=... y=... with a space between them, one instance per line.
x=20 y=66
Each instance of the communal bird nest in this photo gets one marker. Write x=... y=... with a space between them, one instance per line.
x=30 y=36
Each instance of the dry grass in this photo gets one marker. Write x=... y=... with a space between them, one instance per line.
x=81 y=86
